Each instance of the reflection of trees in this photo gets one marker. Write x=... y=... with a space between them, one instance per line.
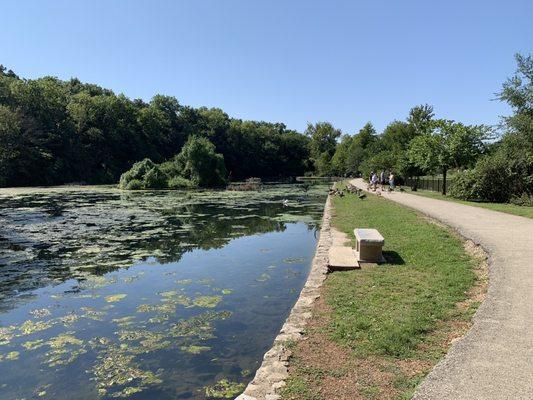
x=212 y=232
x=121 y=230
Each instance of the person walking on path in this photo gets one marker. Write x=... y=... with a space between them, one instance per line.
x=391 y=181
x=374 y=181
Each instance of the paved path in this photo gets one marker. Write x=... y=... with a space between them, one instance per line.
x=494 y=361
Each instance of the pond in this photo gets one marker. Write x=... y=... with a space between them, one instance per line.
x=170 y=295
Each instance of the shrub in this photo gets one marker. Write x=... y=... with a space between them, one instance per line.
x=178 y=182
x=201 y=164
x=196 y=165
x=155 y=179
x=462 y=185
x=134 y=184
x=499 y=177
x=137 y=172
x=523 y=200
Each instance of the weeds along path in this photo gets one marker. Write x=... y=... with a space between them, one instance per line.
x=494 y=360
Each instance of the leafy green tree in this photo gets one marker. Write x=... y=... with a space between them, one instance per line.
x=69 y=131
x=361 y=148
x=339 y=162
x=506 y=173
x=322 y=145
x=420 y=120
x=201 y=164
x=449 y=145
x=517 y=91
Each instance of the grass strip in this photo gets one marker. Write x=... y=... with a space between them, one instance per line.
x=522 y=211
x=376 y=332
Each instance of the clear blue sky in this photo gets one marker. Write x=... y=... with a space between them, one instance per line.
x=346 y=62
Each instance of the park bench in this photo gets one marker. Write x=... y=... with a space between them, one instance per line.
x=368 y=245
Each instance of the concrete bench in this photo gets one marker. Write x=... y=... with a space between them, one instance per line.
x=369 y=244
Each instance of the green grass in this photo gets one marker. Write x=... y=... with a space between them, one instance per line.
x=393 y=312
x=388 y=309
x=522 y=211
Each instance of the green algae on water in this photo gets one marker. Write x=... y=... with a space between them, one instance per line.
x=33 y=344
x=6 y=334
x=12 y=355
x=199 y=325
x=194 y=349
x=224 y=389
x=207 y=301
x=263 y=278
x=118 y=375
x=40 y=313
x=291 y=260
x=29 y=327
x=115 y=297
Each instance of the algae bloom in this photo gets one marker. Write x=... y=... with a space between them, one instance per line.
x=224 y=389
x=115 y=297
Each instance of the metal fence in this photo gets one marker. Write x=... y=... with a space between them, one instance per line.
x=427 y=183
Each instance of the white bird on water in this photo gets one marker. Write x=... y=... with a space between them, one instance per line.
x=285 y=203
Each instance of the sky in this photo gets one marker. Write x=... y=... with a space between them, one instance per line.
x=290 y=61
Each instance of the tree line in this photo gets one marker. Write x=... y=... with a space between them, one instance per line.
x=489 y=163
x=54 y=132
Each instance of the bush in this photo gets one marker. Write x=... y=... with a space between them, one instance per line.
x=523 y=200
x=134 y=184
x=201 y=164
x=506 y=174
x=178 y=182
x=137 y=172
x=463 y=185
x=155 y=179
x=196 y=165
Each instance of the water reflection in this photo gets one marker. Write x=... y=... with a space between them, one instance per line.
x=146 y=295
x=47 y=237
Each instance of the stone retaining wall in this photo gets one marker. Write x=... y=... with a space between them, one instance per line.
x=273 y=371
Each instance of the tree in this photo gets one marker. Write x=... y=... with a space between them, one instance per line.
x=67 y=131
x=339 y=162
x=517 y=91
x=449 y=144
x=322 y=145
x=201 y=164
x=360 y=148
x=420 y=118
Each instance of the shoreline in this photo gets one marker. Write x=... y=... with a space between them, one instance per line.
x=271 y=375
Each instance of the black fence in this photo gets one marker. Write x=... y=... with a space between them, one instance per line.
x=427 y=183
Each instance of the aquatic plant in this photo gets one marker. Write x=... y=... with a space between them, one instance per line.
x=199 y=325
x=29 y=327
x=33 y=344
x=207 y=301
x=194 y=349
x=224 y=389
x=118 y=375
x=263 y=278
x=6 y=334
x=40 y=313
x=115 y=297
x=92 y=313
x=291 y=260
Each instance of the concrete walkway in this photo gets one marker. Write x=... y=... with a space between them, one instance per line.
x=494 y=360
